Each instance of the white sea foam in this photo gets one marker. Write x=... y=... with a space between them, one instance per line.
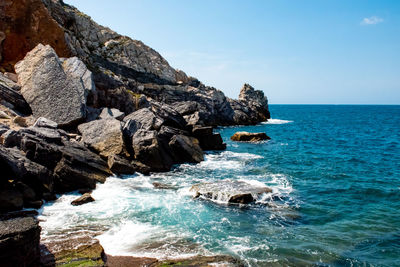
x=276 y=121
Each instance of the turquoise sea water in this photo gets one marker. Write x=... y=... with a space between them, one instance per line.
x=335 y=175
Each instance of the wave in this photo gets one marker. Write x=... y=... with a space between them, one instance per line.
x=276 y=121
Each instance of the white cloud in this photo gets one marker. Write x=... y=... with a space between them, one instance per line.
x=371 y=20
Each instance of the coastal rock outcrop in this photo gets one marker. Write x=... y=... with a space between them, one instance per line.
x=85 y=198
x=104 y=136
x=229 y=191
x=249 y=137
x=124 y=68
x=19 y=242
x=49 y=87
x=10 y=93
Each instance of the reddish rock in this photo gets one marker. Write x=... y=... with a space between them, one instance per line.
x=23 y=25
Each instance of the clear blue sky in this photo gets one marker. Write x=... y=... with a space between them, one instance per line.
x=297 y=52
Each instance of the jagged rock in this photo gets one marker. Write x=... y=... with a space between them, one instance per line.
x=186 y=149
x=229 y=191
x=15 y=166
x=74 y=67
x=120 y=165
x=212 y=142
x=85 y=198
x=45 y=123
x=9 y=92
x=199 y=131
x=108 y=113
x=249 y=137
x=51 y=91
x=256 y=100
x=149 y=149
x=19 y=242
x=105 y=136
x=79 y=168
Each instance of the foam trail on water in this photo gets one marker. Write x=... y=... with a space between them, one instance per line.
x=276 y=121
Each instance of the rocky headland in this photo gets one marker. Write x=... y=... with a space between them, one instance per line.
x=80 y=103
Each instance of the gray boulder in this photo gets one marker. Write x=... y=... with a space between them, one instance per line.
x=45 y=123
x=105 y=136
x=51 y=91
x=108 y=113
x=9 y=92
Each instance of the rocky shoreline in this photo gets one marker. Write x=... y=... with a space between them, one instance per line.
x=80 y=103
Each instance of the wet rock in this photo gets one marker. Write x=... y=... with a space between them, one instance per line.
x=202 y=261
x=163 y=186
x=79 y=168
x=72 y=251
x=51 y=91
x=104 y=136
x=45 y=123
x=249 y=137
x=151 y=151
x=186 y=149
x=212 y=142
x=108 y=113
x=85 y=198
x=119 y=165
x=121 y=261
x=230 y=191
x=19 y=242
x=199 y=131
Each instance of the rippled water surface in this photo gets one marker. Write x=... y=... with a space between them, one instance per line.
x=335 y=176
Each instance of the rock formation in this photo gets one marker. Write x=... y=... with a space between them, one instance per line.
x=249 y=137
x=85 y=103
x=229 y=191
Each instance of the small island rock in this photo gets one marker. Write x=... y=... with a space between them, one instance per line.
x=249 y=137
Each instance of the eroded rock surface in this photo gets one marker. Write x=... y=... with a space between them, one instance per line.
x=50 y=90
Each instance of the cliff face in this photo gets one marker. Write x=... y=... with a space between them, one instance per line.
x=121 y=67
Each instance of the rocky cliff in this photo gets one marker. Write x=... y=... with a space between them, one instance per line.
x=121 y=67
x=79 y=103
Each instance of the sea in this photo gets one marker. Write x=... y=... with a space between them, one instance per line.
x=334 y=171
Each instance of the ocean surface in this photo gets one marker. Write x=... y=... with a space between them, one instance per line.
x=335 y=176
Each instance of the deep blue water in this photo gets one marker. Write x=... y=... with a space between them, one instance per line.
x=335 y=175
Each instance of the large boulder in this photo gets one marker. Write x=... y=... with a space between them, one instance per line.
x=230 y=191
x=105 y=136
x=52 y=91
x=249 y=137
x=186 y=149
x=19 y=242
x=149 y=149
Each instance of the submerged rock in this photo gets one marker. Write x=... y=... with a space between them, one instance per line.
x=19 y=242
x=249 y=137
x=85 y=198
x=229 y=191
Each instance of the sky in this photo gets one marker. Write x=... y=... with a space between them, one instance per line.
x=297 y=52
